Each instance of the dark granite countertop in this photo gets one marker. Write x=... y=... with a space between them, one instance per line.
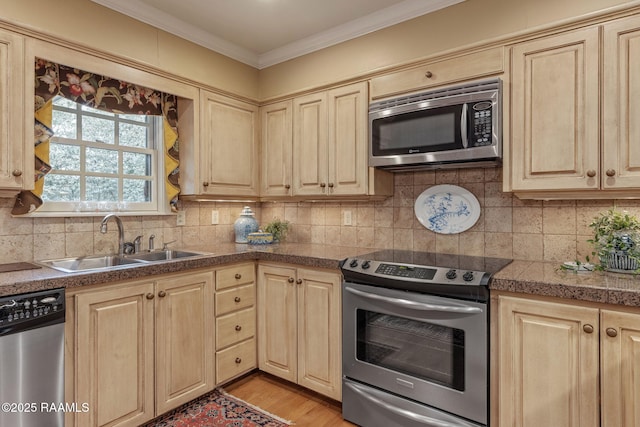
x=548 y=279
x=525 y=277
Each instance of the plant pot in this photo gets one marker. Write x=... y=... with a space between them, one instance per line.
x=619 y=261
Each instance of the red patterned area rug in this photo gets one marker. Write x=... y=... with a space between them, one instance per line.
x=217 y=409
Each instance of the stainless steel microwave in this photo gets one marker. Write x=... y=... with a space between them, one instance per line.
x=452 y=127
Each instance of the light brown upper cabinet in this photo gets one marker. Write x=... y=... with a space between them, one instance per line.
x=16 y=151
x=229 y=147
x=567 y=141
x=316 y=146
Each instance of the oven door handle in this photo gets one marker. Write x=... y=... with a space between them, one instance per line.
x=414 y=304
x=404 y=413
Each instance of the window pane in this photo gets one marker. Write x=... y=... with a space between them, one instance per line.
x=64 y=124
x=101 y=189
x=134 y=117
x=136 y=164
x=96 y=111
x=102 y=161
x=64 y=102
x=62 y=188
x=64 y=157
x=136 y=190
x=133 y=135
x=98 y=130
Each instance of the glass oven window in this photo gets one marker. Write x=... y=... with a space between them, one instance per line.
x=425 y=350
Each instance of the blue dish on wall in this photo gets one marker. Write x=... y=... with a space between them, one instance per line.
x=447 y=209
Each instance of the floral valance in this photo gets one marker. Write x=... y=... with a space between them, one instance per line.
x=103 y=93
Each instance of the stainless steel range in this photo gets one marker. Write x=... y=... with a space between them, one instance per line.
x=416 y=339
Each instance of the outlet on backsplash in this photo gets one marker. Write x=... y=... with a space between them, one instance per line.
x=215 y=217
x=346 y=218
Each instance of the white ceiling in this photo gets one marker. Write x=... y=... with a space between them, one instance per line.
x=262 y=33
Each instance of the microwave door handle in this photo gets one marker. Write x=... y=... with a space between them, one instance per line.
x=416 y=305
x=464 y=125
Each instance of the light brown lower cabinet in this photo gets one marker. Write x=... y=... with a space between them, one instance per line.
x=141 y=348
x=566 y=364
x=299 y=326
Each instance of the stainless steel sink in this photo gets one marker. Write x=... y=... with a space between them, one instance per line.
x=111 y=262
x=164 y=255
x=90 y=263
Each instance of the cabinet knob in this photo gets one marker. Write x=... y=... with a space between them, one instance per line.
x=588 y=328
x=331 y=185
x=162 y=294
x=299 y=281
x=16 y=173
x=237 y=299
x=238 y=328
x=612 y=332
x=591 y=173
x=290 y=280
x=205 y=184
x=322 y=184
x=611 y=172
x=428 y=74
x=238 y=276
x=238 y=360
x=150 y=295
x=287 y=186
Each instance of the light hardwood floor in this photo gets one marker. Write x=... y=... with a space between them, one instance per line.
x=289 y=401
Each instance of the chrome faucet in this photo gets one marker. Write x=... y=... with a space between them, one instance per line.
x=103 y=230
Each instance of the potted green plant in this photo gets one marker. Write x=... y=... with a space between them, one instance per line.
x=278 y=228
x=616 y=240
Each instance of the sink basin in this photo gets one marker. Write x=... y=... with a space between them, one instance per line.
x=89 y=263
x=164 y=255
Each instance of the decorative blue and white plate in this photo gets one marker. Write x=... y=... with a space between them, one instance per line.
x=447 y=209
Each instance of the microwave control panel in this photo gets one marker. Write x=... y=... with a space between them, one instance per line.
x=481 y=124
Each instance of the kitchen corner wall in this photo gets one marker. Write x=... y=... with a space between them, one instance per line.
x=508 y=227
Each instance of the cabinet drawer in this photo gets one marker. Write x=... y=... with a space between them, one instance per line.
x=235 y=299
x=235 y=360
x=466 y=67
x=235 y=327
x=235 y=275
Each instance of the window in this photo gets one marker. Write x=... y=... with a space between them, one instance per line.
x=103 y=161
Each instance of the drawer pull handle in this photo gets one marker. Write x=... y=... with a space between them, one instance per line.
x=428 y=74
x=612 y=332
x=238 y=276
x=611 y=172
x=588 y=328
x=150 y=295
x=591 y=173
x=237 y=299
x=162 y=294
x=238 y=328
x=290 y=280
x=238 y=360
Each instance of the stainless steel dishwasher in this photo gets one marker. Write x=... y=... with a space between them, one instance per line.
x=32 y=359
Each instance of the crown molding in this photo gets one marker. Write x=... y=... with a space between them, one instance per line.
x=383 y=18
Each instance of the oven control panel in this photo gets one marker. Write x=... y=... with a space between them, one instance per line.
x=414 y=273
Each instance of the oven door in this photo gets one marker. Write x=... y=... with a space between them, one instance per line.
x=429 y=349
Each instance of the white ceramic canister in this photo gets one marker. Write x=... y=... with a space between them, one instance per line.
x=244 y=225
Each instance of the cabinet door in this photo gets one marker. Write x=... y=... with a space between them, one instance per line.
x=554 y=112
x=310 y=145
x=229 y=146
x=348 y=162
x=184 y=339
x=277 y=142
x=277 y=348
x=13 y=146
x=114 y=363
x=320 y=332
x=621 y=151
x=548 y=365
x=620 y=341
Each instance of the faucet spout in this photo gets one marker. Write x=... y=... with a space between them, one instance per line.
x=103 y=230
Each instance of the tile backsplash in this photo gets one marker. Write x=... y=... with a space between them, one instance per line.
x=507 y=227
